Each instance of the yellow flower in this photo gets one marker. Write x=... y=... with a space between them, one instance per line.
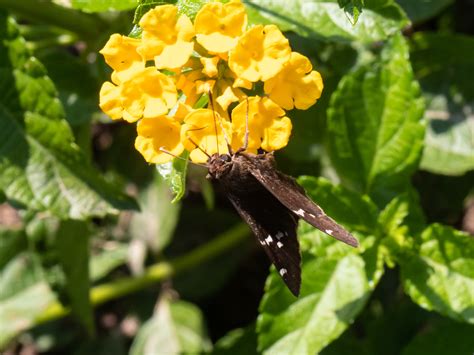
x=110 y=100
x=199 y=128
x=296 y=85
x=155 y=133
x=268 y=126
x=120 y=53
x=149 y=94
x=219 y=26
x=166 y=37
x=260 y=53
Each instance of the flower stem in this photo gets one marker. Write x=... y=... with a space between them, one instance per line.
x=153 y=274
x=85 y=25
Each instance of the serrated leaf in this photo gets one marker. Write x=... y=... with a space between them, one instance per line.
x=242 y=341
x=419 y=11
x=375 y=130
x=40 y=164
x=441 y=62
x=442 y=339
x=392 y=216
x=322 y=18
x=103 y=5
x=439 y=275
x=175 y=328
x=174 y=174
x=72 y=245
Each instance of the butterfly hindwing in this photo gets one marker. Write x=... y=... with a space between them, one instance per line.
x=293 y=196
x=275 y=228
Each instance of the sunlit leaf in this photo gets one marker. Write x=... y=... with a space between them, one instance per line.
x=439 y=276
x=40 y=165
x=374 y=125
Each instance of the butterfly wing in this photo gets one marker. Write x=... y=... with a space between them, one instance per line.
x=275 y=228
x=293 y=196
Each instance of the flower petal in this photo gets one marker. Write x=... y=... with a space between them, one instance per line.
x=155 y=133
x=260 y=53
x=219 y=26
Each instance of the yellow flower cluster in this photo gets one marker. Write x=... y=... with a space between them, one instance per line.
x=159 y=81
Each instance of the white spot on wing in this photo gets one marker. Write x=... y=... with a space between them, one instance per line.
x=263 y=242
x=329 y=231
x=283 y=272
x=279 y=244
x=300 y=212
x=279 y=235
x=269 y=239
x=312 y=215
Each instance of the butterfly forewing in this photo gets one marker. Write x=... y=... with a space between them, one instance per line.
x=290 y=194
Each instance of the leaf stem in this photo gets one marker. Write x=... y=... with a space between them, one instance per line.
x=85 y=25
x=153 y=274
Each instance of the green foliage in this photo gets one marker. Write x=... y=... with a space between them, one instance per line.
x=177 y=327
x=397 y=100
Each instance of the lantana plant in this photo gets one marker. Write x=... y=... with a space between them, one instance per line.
x=247 y=76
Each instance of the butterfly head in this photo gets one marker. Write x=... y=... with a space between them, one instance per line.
x=219 y=165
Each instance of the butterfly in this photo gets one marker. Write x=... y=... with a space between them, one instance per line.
x=271 y=203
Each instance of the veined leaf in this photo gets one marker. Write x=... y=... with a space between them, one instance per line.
x=174 y=174
x=40 y=165
x=322 y=18
x=374 y=125
x=440 y=275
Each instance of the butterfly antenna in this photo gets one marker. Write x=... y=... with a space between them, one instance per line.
x=198 y=147
x=246 y=137
x=178 y=157
x=229 y=148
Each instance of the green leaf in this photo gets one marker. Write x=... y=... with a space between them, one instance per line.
x=336 y=280
x=440 y=275
x=72 y=244
x=18 y=313
x=374 y=129
x=242 y=341
x=321 y=18
x=174 y=174
x=352 y=9
x=157 y=220
x=102 y=264
x=334 y=290
x=40 y=165
x=419 y=11
x=447 y=338
x=441 y=62
x=393 y=215
x=103 y=5
x=24 y=295
x=175 y=328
